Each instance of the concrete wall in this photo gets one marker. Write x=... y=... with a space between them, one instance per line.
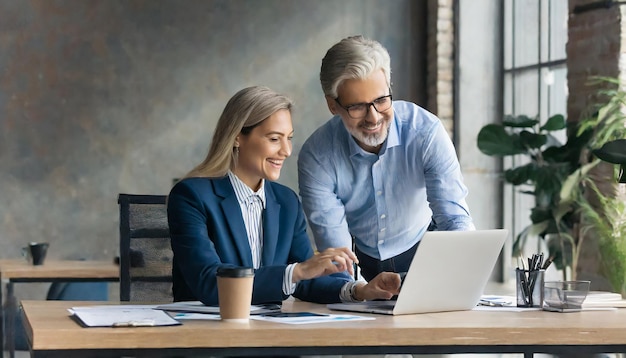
x=479 y=98
x=101 y=97
x=479 y=89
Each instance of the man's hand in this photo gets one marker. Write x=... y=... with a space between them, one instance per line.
x=329 y=261
x=384 y=286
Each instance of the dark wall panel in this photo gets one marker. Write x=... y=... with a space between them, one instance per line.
x=100 y=97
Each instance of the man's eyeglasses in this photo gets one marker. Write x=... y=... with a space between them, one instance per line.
x=359 y=110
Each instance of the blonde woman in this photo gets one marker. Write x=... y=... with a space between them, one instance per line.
x=228 y=211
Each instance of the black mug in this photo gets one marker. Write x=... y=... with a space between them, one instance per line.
x=36 y=251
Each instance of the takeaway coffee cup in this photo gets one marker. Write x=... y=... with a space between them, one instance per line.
x=234 y=289
x=35 y=252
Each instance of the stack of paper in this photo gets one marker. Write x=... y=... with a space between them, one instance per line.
x=602 y=299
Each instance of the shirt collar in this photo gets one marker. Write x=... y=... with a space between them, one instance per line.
x=243 y=192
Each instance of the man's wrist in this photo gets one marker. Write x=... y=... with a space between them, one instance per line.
x=355 y=292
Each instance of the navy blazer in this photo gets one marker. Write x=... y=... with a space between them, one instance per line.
x=207 y=232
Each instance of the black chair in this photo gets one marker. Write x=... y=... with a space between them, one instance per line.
x=145 y=251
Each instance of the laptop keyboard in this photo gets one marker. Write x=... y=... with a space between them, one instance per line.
x=381 y=304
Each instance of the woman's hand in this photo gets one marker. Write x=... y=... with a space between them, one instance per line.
x=324 y=263
x=384 y=286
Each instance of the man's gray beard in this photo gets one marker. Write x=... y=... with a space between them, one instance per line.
x=373 y=140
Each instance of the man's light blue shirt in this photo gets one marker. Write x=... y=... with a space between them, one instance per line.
x=385 y=200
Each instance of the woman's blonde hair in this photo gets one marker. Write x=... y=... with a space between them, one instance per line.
x=353 y=58
x=244 y=111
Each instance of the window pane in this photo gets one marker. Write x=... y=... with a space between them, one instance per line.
x=526 y=32
x=559 y=91
x=535 y=36
x=553 y=30
x=558 y=29
x=526 y=94
x=553 y=96
x=508 y=34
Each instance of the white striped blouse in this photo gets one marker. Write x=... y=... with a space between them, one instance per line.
x=252 y=205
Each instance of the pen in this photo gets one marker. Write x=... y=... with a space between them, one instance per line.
x=548 y=262
x=142 y=323
x=526 y=294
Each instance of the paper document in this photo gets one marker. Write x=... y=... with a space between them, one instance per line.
x=506 y=308
x=122 y=316
x=197 y=316
x=309 y=317
x=595 y=300
x=199 y=307
x=497 y=301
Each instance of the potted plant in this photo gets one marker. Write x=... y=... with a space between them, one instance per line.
x=546 y=163
x=601 y=198
x=606 y=221
x=555 y=173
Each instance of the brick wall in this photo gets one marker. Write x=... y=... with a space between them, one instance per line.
x=595 y=42
x=440 y=61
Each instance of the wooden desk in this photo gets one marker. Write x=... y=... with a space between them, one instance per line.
x=52 y=333
x=14 y=271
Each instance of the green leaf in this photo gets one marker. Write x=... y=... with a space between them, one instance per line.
x=560 y=247
x=555 y=154
x=548 y=180
x=530 y=230
x=521 y=121
x=564 y=207
x=570 y=151
x=494 y=140
x=540 y=215
x=552 y=141
x=554 y=123
x=580 y=140
x=520 y=175
x=532 y=140
x=538 y=228
x=573 y=180
x=612 y=152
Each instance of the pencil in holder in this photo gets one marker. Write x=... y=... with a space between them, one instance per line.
x=529 y=287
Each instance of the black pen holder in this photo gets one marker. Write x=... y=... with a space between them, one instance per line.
x=529 y=287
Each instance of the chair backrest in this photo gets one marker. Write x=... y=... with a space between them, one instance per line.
x=145 y=251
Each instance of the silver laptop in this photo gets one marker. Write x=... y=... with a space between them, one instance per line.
x=449 y=272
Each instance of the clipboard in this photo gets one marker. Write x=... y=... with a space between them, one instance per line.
x=121 y=316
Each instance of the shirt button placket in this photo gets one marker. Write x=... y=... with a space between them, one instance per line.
x=381 y=208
